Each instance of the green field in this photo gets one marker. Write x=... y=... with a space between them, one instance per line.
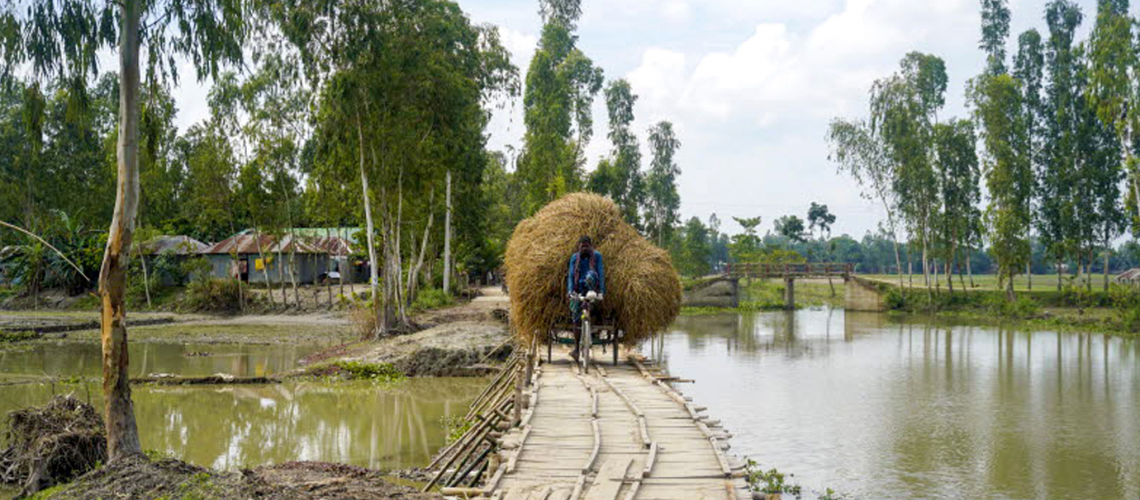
x=990 y=281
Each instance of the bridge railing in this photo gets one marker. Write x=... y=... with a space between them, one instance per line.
x=768 y=270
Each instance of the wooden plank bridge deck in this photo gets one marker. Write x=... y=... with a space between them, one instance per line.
x=618 y=432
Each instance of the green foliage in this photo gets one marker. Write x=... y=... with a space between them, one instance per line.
x=791 y=227
x=455 y=427
x=214 y=295
x=6 y=336
x=769 y=481
x=995 y=31
x=360 y=370
x=1009 y=172
x=663 y=204
x=432 y=298
x=560 y=87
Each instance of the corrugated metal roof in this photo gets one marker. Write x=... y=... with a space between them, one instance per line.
x=1131 y=274
x=246 y=242
x=178 y=245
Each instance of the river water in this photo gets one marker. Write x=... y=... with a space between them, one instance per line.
x=879 y=408
x=872 y=406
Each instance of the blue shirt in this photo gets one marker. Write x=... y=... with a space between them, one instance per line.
x=598 y=268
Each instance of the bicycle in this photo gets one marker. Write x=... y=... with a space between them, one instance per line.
x=585 y=339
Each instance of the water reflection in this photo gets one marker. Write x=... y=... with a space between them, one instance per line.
x=920 y=409
x=66 y=359
x=244 y=426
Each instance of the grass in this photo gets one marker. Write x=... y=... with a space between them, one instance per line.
x=768 y=295
x=990 y=281
x=17 y=336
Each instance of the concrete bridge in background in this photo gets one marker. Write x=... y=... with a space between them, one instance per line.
x=724 y=290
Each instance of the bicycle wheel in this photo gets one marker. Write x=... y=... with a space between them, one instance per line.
x=584 y=353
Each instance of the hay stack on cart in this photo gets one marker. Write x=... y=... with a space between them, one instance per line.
x=643 y=292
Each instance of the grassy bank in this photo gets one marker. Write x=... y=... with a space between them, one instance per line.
x=1073 y=308
x=768 y=295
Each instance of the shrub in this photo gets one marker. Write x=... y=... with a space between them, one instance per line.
x=895 y=299
x=363 y=318
x=432 y=298
x=1125 y=302
x=769 y=481
x=197 y=269
x=359 y=370
x=214 y=295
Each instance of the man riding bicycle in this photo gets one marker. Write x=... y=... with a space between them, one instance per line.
x=586 y=274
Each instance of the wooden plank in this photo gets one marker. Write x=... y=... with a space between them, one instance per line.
x=650 y=460
x=633 y=489
x=609 y=479
x=597 y=447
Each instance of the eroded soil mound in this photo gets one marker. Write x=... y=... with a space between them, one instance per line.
x=139 y=477
x=51 y=444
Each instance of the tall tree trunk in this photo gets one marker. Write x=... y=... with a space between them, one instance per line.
x=1106 y=255
x=414 y=272
x=949 y=276
x=146 y=277
x=447 y=240
x=281 y=270
x=373 y=279
x=328 y=269
x=1088 y=275
x=969 y=269
x=909 y=269
x=898 y=260
x=119 y=413
x=264 y=267
x=397 y=255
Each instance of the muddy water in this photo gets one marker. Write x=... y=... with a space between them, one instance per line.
x=380 y=426
x=889 y=409
x=229 y=427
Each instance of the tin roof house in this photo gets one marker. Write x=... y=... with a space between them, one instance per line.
x=252 y=256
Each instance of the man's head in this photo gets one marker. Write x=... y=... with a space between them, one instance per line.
x=585 y=246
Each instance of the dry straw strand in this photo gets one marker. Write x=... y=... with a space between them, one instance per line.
x=643 y=292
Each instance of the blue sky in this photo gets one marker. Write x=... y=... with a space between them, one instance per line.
x=749 y=84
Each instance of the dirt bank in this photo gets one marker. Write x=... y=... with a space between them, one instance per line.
x=140 y=477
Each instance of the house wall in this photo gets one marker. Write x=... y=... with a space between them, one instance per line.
x=309 y=268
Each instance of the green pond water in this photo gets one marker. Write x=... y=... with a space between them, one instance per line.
x=879 y=408
x=388 y=426
x=84 y=359
x=384 y=426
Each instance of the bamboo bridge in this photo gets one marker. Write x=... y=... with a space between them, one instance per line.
x=547 y=431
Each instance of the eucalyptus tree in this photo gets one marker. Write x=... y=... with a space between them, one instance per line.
x=662 y=201
x=61 y=38
x=1099 y=175
x=1114 y=88
x=957 y=166
x=1028 y=67
x=560 y=87
x=401 y=86
x=998 y=104
x=859 y=150
x=620 y=175
x=904 y=109
x=995 y=31
x=1059 y=149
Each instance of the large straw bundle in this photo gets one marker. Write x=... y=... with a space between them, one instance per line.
x=643 y=293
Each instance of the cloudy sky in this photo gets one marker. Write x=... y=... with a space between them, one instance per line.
x=749 y=84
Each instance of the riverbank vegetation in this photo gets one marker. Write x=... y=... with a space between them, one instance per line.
x=1055 y=123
